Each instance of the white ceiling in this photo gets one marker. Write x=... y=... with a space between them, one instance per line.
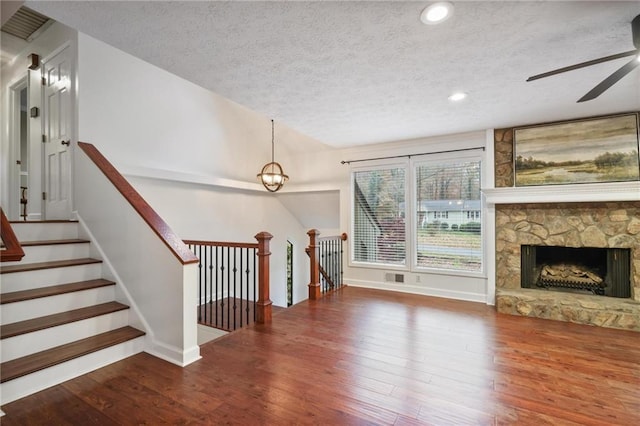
x=351 y=73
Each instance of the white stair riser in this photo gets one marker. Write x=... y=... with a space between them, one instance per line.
x=46 y=277
x=35 y=382
x=30 y=343
x=34 y=308
x=35 y=254
x=35 y=231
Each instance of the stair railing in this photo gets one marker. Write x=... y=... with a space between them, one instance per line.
x=325 y=260
x=11 y=249
x=233 y=282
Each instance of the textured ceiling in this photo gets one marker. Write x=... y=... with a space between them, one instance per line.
x=351 y=73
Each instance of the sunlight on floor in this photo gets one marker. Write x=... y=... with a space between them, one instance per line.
x=207 y=334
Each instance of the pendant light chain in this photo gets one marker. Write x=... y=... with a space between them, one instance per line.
x=272 y=144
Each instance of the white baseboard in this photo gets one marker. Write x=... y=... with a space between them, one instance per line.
x=425 y=291
x=173 y=354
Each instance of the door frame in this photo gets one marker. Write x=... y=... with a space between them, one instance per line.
x=13 y=209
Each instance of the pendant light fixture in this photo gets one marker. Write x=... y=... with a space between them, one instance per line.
x=272 y=176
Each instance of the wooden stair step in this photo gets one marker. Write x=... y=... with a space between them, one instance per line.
x=54 y=290
x=47 y=265
x=52 y=242
x=16 y=368
x=35 y=324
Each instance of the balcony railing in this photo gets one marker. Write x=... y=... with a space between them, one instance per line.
x=325 y=260
x=233 y=282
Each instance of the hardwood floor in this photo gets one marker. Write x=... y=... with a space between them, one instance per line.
x=362 y=356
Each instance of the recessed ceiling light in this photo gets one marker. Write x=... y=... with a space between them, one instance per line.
x=458 y=96
x=436 y=13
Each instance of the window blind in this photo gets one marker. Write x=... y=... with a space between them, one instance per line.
x=379 y=216
x=448 y=232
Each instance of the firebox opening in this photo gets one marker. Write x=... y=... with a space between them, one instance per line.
x=588 y=270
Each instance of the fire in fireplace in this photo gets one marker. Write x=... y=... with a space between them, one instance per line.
x=590 y=270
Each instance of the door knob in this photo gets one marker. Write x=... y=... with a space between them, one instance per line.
x=67 y=143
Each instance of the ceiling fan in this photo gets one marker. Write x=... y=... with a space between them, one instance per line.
x=613 y=78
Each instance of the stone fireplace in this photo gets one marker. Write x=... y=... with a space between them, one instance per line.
x=594 y=224
x=576 y=225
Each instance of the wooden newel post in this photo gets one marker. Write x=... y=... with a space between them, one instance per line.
x=263 y=305
x=314 y=285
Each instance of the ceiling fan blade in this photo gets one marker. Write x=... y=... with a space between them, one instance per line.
x=583 y=64
x=610 y=81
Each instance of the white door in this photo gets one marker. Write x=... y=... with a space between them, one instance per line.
x=57 y=134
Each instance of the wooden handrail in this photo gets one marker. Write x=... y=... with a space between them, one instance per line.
x=342 y=236
x=221 y=244
x=12 y=251
x=153 y=219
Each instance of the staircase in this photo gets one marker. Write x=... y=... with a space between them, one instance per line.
x=59 y=317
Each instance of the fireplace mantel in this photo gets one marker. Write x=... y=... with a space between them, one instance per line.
x=587 y=192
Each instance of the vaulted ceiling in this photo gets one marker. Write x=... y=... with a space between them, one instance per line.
x=355 y=72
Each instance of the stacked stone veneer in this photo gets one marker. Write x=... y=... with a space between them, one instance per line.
x=601 y=225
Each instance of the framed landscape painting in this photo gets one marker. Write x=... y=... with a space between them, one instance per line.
x=585 y=151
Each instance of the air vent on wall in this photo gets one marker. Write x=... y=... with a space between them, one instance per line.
x=393 y=278
x=25 y=24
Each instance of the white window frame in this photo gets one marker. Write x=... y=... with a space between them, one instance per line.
x=440 y=159
x=408 y=219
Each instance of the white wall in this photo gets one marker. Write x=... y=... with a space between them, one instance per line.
x=55 y=36
x=192 y=154
x=325 y=166
x=214 y=213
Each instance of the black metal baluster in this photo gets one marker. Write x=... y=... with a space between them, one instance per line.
x=210 y=301
x=331 y=264
x=323 y=283
x=235 y=284
x=207 y=318
x=326 y=266
x=200 y=283
x=241 y=258
x=323 y=248
x=222 y=304
x=228 y=287
x=341 y=255
x=247 y=284
x=217 y=295
x=336 y=273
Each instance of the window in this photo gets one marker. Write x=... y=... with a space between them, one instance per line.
x=439 y=198
x=379 y=216
x=452 y=238
x=473 y=215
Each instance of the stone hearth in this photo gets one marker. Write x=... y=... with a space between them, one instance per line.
x=606 y=225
